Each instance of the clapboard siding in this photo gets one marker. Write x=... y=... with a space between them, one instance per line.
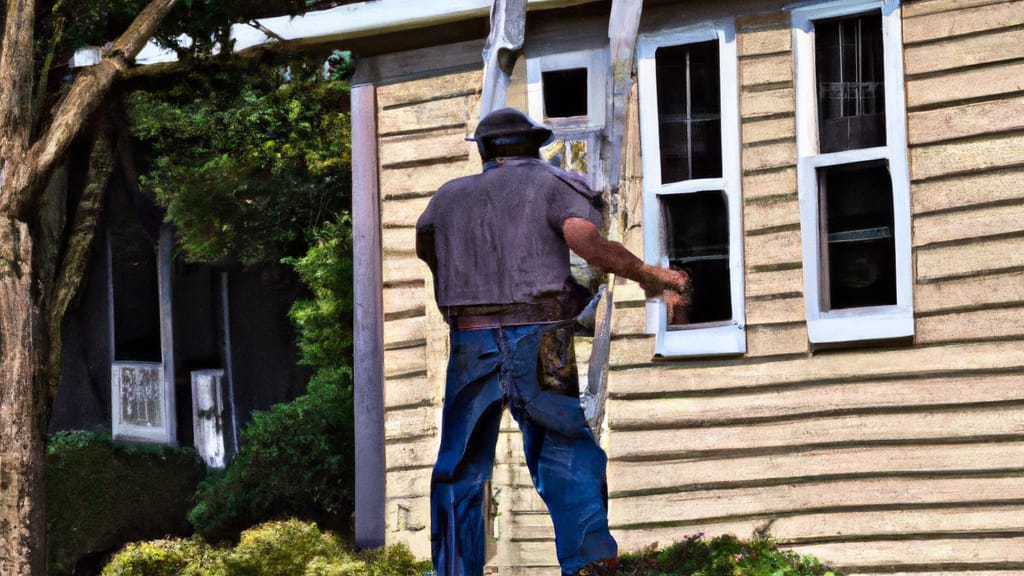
x=726 y=503
x=984 y=153
x=927 y=91
x=901 y=457
x=913 y=394
x=815 y=466
x=975 y=119
x=422 y=125
x=982 y=290
x=711 y=376
x=969 y=222
x=964 y=259
x=965 y=188
x=950 y=53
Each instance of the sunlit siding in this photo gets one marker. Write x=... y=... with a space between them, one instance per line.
x=902 y=458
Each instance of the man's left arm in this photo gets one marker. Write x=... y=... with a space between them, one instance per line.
x=425 y=247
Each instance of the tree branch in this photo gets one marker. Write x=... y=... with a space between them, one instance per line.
x=84 y=97
x=76 y=253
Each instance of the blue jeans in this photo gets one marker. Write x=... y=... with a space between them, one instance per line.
x=487 y=369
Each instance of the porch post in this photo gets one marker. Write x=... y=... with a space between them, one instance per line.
x=368 y=320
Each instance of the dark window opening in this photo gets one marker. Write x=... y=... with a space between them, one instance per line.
x=697 y=233
x=689 y=111
x=565 y=93
x=850 y=83
x=135 y=284
x=857 y=237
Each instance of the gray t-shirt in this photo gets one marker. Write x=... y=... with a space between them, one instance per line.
x=496 y=237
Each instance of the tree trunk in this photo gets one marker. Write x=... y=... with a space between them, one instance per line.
x=22 y=441
x=33 y=293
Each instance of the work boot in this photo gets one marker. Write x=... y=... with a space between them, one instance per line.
x=603 y=567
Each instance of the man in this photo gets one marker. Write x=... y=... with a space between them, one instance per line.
x=498 y=246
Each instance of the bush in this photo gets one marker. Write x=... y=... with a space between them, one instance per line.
x=298 y=459
x=722 y=556
x=295 y=460
x=283 y=548
x=159 y=558
x=100 y=495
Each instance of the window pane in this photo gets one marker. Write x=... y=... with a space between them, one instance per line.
x=565 y=93
x=697 y=233
x=689 y=111
x=851 y=83
x=857 y=235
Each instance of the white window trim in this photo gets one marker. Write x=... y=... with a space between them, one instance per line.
x=122 y=430
x=728 y=337
x=594 y=60
x=868 y=323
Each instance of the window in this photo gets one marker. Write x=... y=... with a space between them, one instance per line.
x=567 y=91
x=852 y=171
x=689 y=126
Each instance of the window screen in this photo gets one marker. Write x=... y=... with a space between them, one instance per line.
x=689 y=111
x=857 y=235
x=851 y=83
x=697 y=236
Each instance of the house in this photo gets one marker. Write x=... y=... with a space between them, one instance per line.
x=160 y=350
x=845 y=181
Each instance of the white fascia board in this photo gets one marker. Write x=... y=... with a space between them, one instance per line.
x=153 y=53
x=369 y=18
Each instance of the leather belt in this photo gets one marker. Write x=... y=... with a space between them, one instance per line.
x=480 y=317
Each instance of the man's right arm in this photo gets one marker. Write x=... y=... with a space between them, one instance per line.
x=583 y=238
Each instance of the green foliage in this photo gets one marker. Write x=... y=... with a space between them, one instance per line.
x=324 y=323
x=246 y=158
x=158 y=558
x=296 y=460
x=396 y=561
x=722 y=556
x=101 y=495
x=283 y=548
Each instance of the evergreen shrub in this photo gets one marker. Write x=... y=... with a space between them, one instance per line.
x=101 y=494
x=279 y=548
x=722 y=556
x=295 y=460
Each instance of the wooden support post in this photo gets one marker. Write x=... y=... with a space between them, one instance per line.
x=368 y=320
x=623 y=25
x=165 y=278
x=503 y=47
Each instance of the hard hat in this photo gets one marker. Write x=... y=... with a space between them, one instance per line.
x=507 y=125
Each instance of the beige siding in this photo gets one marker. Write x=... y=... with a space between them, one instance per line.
x=905 y=458
x=422 y=124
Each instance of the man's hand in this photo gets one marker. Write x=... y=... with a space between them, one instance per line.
x=660 y=279
x=677 y=294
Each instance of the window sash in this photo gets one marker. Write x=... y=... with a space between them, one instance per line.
x=712 y=338
x=873 y=322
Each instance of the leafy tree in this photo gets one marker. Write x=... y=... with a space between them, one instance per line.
x=324 y=322
x=246 y=157
x=45 y=231
x=42 y=255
